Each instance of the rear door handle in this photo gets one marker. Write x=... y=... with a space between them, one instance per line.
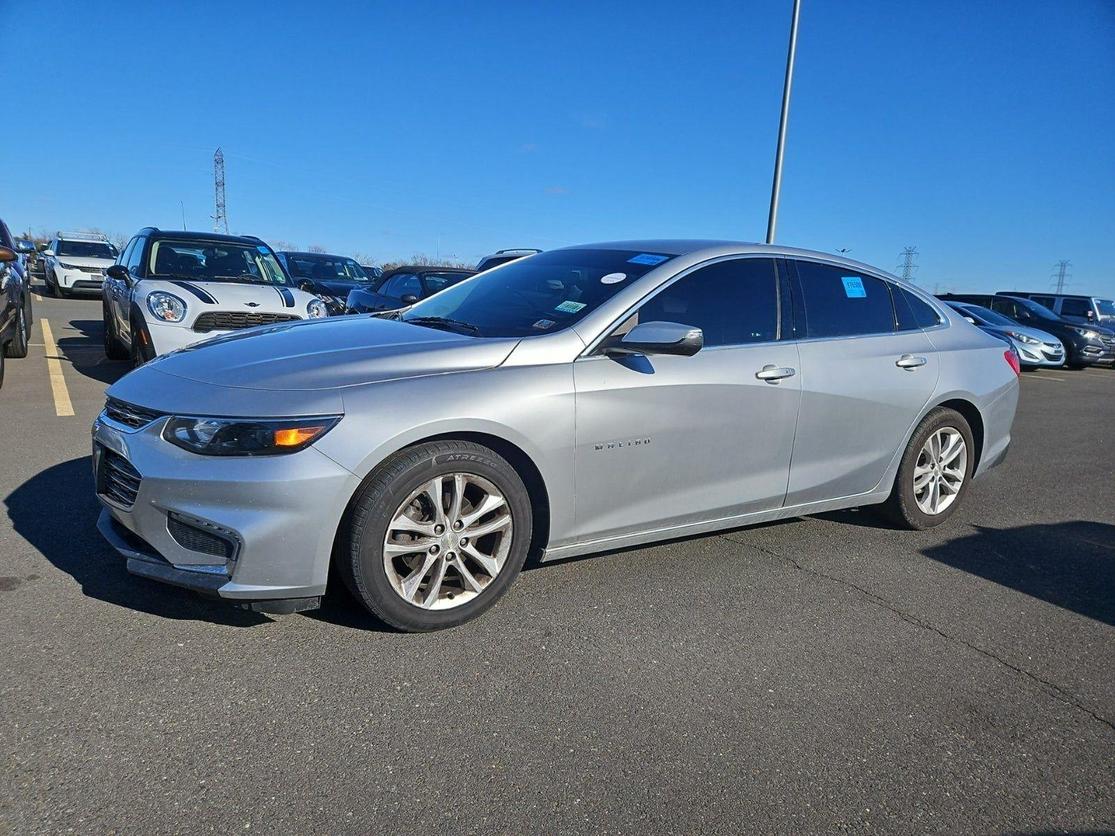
x=773 y=374
x=910 y=361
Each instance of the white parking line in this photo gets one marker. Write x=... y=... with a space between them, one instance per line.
x=1043 y=377
x=62 y=405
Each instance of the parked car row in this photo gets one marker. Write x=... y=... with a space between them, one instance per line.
x=1045 y=338
x=15 y=298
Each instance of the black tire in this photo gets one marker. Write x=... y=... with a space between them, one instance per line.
x=901 y=507
x=359 y=556
x=17 y=345
x=114 y=350
x=51 y=284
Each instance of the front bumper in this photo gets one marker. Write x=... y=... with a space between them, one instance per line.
x=79 y=279
x=1045 y=355
x=279 y=514
x=1095 y=354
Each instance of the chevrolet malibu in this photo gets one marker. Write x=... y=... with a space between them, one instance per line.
x=574 y=401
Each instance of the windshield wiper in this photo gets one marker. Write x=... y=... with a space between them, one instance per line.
x=245 y=278
x=445 y=324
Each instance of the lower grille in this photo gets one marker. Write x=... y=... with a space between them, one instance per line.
x=97 y=270
x=197 y=538
x=233 y=320
x=129 y=415
x=117 y=479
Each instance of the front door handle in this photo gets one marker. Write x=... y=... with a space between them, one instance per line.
x=910 y=361
x=773 y=374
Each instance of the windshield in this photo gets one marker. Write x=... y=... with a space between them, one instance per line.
x=538 y=294
x=1040 y=311
x=986 y=316
x=214 y=261
x=1106 y=307
x=86 y=249
x=324 y=268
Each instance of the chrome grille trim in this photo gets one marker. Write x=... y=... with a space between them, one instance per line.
x=130 y=415
x=117 y=480
x=234 y=320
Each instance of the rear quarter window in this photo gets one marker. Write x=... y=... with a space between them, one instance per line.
x=911 y=312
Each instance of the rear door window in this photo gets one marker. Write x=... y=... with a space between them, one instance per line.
x=1078 y=308
x=840 y=302
x=911 y=312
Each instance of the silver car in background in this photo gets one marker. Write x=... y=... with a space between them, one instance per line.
x=573 y=401
x=1036 y=349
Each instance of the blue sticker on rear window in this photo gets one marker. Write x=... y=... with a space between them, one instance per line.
x=853 y=287
x=648 y=258
x=262 y=249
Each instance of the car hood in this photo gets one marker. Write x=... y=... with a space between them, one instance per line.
x=328 y=354
x=229 y=296
x=85 y=262
x=1036 y=333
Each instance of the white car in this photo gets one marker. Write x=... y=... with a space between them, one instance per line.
x=76 y=261
x=169 y=290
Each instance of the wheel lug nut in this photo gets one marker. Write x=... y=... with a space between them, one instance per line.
x=449 y=556
x=439 y=529
x=458 y=525
x=464 y=541
x=435 y=549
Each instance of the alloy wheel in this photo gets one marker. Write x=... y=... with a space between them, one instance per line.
x=448 y=541
x=939 y=471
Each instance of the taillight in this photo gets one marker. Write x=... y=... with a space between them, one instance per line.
x=1012 y=360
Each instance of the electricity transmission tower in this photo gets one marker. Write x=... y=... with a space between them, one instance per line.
x=220 y=217
x=907 y=266
x=1062 y=274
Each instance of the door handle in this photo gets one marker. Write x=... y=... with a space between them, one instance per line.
x=773 y=374
x=910 y=361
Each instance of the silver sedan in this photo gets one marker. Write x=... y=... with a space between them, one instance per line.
x=1036 y=349
x=570 y=402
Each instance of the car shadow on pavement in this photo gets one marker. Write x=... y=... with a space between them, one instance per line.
x=86 y=353
x=1069 y=564
x=56 y=512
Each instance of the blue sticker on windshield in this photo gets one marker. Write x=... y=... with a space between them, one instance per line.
x=648 y=258
x=853 y=287
x=261 y=248
x=569 y=306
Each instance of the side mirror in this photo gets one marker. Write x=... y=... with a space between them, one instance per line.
x=48 y=252
x=24 y=247
x=969 y=319
x=409 y=299
x=118 y=272
x=658 y=338
x=7 y=255
x=307 y=285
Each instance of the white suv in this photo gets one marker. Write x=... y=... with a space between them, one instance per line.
x=76 y=261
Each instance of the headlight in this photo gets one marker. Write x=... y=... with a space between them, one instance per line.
x=245 y=437
x=66 y=266
x=1088 y=335
x=1023 y=338
x=315 y=309
x=166 y=307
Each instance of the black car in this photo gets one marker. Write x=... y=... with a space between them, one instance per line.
x=404 y=286
x=1085 y=345
x=15 y=301
x=329 y=277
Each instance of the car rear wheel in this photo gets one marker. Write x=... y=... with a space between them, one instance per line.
x=436 y=535
x=934 y=473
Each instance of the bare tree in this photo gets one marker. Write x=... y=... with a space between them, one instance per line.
x=317 y=248
x=284 y=246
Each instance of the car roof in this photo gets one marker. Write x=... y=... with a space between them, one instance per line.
x=315 y=255
x=424 y=268
x=186 y=235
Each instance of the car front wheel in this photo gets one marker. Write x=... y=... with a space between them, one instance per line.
x=934 y=473
x=436 y=535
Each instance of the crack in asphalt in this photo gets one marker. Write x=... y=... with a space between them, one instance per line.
x=1051 y=688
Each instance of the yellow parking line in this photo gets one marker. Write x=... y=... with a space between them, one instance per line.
x=62 y=405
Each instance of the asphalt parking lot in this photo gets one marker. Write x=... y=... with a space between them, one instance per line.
x=819 y=674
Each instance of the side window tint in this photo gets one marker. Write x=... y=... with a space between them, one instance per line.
x=1044 y=300
x=135 y=258
x=843 y=303
x=123 y=257
x=402 y=284
x=912 y=313
x=1074 y=307
x=732 y=302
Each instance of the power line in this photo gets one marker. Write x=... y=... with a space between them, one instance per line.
x=1061 y=274
x=907 y=266
x=220 y=216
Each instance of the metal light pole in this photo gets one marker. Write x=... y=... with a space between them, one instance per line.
x=776 y=187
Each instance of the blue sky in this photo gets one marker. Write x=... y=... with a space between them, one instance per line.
x=982 y=133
